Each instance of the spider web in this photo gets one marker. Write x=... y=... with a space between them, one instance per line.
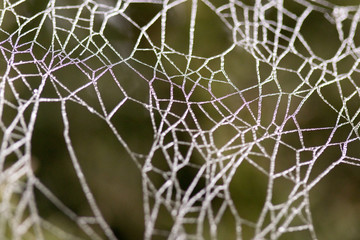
x=227 y=89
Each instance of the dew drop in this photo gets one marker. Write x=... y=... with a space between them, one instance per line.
x=91 y=109
x=340 y=13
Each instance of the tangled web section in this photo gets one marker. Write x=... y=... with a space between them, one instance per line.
x=231 y=111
